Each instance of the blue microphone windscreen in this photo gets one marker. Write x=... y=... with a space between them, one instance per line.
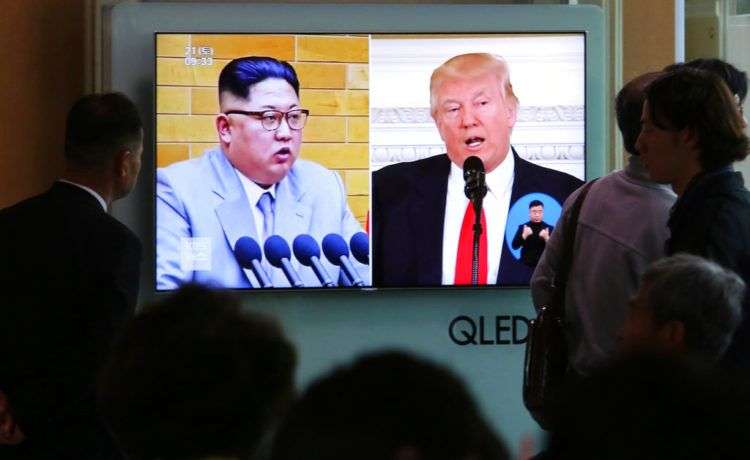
x=360 y=246
x=334 y=247
x=246 y=250
x=276 y=248
x=305 y=248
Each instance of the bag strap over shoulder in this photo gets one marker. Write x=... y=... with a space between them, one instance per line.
x=566 y=261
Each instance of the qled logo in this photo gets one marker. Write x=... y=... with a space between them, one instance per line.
x=498 y=330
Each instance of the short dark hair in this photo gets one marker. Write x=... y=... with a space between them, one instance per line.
x=629 y=107
x=705 y=297
x=99 y=126
x=240 y=74
x=382 y=403
x=735 y=78
x=194 y=376
x=700 y=101
x=535 y=203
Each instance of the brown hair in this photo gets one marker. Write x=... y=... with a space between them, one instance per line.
x=701 y=102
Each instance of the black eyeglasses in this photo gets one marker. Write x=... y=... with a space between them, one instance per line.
x=271 y=119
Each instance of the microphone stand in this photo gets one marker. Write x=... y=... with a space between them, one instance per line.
x=477 y=203
x=475 y=189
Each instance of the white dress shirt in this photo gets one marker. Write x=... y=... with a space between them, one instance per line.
x=496 y=203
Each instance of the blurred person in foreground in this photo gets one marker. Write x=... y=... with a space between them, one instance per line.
x=387 y=405
x=195 y=377
x=653 y=406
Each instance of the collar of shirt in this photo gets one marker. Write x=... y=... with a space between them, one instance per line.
x=496 y=203
x=253 y=192
x=636 y=172
x=91 y=191
x=498 y=180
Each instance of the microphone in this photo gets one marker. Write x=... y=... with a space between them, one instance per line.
x=278 y=254
x=475 y=188
x=247 y=253
x=360 y=245
x=307 y=251
x=334 y=247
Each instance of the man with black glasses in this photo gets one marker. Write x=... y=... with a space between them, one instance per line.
x=252 y=185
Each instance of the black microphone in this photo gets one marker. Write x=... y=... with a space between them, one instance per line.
x=278 y=254
x=336 y=251
x=475 y=188
x=307 y=251
x=360 y=246
x=247 y=253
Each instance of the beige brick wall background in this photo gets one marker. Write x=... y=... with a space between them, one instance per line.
x=333 y=74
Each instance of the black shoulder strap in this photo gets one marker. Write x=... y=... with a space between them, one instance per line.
x=566 y=261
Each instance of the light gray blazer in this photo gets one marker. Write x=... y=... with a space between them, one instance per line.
x=203 y=197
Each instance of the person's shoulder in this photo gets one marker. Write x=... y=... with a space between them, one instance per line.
x=190 y=166
x=15 y=219
x=543 y=171
x=731 y=189
x=309 y=168
x=313 y=177
x=731 y=204
x=20 y=208
x=313 y=180
x=719 y=200
x=111 y=236
x=539 y=178
x=118 y=227
x=407 y=170
x=37 y=209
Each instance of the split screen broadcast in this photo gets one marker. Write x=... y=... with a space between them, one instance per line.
x=314 y=161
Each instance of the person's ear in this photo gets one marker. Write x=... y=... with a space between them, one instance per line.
x=222 y=128
x=123 y=163
x=512 y=113
x=689 y=138
x=438 y=122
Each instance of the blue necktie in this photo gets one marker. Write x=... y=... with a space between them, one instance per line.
x=265 y=204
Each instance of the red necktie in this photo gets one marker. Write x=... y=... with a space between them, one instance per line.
x=466 y=246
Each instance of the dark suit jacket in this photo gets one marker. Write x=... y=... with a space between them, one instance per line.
x=68 y=281
x=712 y=219
x=408 y=209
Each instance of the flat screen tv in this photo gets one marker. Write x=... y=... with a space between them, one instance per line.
x=369 y=189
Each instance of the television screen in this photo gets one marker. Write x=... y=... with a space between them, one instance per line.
x=310 y=160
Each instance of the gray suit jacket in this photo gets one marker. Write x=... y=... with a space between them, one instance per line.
x=204 y=198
